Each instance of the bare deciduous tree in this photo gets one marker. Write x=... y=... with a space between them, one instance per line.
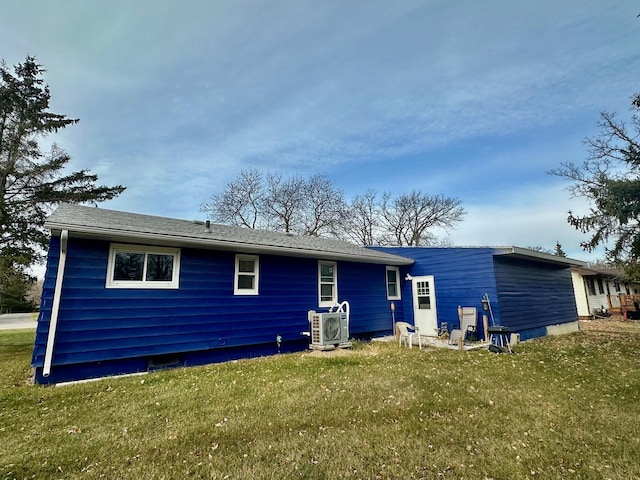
x=284 y=202
x=315 y=206
x=363 y=221
x=242 y=202
x=325 y=208
x=409 y=217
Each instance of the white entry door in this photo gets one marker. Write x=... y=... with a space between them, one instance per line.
x=424 y=305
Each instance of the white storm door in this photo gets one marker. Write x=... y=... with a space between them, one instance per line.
x=424 y=305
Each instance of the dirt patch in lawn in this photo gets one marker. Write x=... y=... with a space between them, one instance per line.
x=613 y=324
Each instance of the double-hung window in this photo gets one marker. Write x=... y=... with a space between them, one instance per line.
x=137 y=266
x=327 y=284
x=393 y=283
x=247 y=274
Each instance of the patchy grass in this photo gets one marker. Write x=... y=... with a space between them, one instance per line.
x=561 y=407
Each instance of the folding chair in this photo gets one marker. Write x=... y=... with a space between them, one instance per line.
x=468 y=321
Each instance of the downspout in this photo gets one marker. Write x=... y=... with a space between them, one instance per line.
x=55 y=308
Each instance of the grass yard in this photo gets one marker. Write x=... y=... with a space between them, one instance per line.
x=560 y=407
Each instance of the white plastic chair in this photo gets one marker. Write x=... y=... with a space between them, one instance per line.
x=405 y=333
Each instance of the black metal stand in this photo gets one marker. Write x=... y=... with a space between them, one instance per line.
x=499 y=339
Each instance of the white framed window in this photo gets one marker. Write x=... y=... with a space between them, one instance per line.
x=393 y=283
x=247 y=274
x=327 y=284
x=139 y=266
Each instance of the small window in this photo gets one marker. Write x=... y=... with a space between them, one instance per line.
x=246 y=276
x=393 y=283
x=600 y=287
x=327 y=284
x=136 y=266
x=423 y=291
x=591 y=286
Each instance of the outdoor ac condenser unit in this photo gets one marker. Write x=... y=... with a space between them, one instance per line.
x=329 y=328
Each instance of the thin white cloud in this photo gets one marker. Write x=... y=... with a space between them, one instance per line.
x=175 y=99
x=529 y=217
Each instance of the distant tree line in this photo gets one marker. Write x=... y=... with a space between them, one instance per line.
x=315 y=206
x=557 y=251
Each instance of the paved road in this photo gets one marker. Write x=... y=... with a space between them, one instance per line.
x=11 y=321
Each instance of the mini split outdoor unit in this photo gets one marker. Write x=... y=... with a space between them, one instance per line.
x=329 y=328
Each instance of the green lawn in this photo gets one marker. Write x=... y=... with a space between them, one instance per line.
x=560 y=407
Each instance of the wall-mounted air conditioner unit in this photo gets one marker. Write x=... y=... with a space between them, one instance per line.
x=329 y=329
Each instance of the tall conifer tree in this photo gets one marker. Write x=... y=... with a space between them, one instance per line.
x=33 y=181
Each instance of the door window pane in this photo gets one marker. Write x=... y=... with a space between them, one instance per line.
x=424 y=303
x=423 y=288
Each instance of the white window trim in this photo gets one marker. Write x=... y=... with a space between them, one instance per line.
x=116 y=247
x=334 y=283
x=256 y=274
x=386 y=280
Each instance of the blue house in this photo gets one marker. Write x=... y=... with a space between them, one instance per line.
x=529 y=292
x=127 y=293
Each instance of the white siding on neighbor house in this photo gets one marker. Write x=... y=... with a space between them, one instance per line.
x=615 y=289
x=600 y=299
x=580 y=291
x=603 y=288
x=595 y=290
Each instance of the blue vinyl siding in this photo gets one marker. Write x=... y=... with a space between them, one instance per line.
x=526 y=296
x=534 y=295
x=98 y=325
x=364 y=287
x=461 y=277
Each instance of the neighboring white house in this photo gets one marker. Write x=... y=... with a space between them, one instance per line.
x=598 y=288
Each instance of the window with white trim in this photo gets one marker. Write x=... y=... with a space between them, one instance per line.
x=393 y=283
x=138 y=266
x=327 y=284
x=247 y=274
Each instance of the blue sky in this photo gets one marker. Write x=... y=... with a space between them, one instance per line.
x=476 y=100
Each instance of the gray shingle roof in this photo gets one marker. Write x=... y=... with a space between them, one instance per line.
x=113 y=225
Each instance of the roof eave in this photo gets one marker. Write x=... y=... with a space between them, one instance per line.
x=216 y=244
x=539 y=256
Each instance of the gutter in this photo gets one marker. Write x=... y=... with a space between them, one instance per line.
x=55 y=309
